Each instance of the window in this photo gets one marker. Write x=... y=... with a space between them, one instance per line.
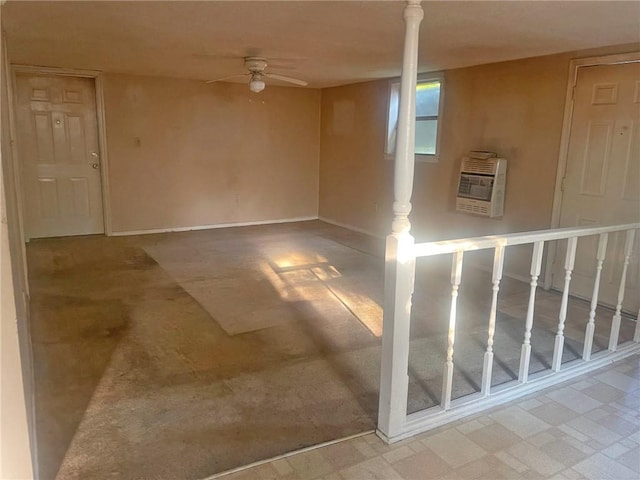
x=428 y=109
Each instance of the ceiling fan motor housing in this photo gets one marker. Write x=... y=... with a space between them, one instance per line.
x=255 y=64
x=255 y=67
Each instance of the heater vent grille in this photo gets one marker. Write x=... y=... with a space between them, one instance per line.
x=475 y=208
x=481 y=186
x=475 y=165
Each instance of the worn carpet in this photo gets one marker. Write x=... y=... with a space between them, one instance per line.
x=182 y=355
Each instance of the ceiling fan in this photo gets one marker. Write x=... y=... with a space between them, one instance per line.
x=256 y=67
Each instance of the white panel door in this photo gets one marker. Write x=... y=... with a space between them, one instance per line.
x=59 y=155
x=602 y=180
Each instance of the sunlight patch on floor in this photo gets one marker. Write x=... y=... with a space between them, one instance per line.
x=295 y=280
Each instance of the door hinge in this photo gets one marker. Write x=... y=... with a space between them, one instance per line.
x=573 y=93
x=562 y=182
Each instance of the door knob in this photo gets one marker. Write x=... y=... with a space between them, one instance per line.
x=94 y=165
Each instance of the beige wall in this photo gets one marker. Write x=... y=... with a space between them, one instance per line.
x=185 y=153
x=15 y=347
x=355 y=178
x=513 y=108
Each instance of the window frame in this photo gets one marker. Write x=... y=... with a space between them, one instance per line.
x=393 y=105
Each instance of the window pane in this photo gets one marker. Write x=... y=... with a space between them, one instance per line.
x=427 y=99
x=426 y=136
x=392 y=122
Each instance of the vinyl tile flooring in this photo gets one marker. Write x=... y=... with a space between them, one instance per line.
x=181 y=355
x=588 y=428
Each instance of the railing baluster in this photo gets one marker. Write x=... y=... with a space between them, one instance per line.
x=447 y=379
x=569 y=262
x=498 y=263
x=525 y=354
x=591 y=323
x=615 y=322
x=393 y=421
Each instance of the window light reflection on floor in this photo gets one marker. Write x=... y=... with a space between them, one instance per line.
x=298 y=276
x=298 y=259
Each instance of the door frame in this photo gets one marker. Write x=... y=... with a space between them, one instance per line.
x=574 y=66
x=98 y=81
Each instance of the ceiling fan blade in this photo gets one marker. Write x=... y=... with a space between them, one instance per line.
x=229 y=77
x=295 y=81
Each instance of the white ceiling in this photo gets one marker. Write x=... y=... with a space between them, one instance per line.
x=325 y=43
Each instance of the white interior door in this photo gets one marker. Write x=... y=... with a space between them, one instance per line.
x=59 y=155
x=602 y=179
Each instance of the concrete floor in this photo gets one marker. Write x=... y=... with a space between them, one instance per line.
x=182 y=355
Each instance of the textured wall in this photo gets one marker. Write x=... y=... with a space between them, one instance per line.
x=183 y=153
x=513 y=108
x=16 y=389
x=355 y=178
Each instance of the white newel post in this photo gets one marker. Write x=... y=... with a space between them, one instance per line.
x=399 y=256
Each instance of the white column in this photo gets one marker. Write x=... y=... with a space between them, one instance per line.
x=399 y=256
x=405 y=139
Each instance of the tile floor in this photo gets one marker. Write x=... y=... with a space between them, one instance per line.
x=585 y=429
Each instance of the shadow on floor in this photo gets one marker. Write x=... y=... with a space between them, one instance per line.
x=182 y=355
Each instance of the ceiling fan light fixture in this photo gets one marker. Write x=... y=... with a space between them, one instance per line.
x=255 y=71
x=256 y=85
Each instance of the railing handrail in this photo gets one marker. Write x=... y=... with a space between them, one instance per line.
x=491 y=241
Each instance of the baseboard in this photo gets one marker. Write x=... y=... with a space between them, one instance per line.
x=211 y=227
x=434 y=417
x=31 y=405
x=288 y=454
x=350 y=227
x=152 y=231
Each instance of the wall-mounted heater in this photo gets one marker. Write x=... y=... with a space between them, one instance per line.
x=481 y=186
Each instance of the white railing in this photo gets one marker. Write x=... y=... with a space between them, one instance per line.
x=400 y=260
x=394 y=423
